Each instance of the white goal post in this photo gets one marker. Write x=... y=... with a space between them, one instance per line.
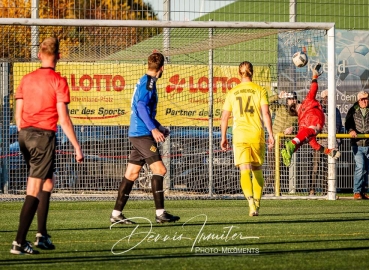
x=102 y=51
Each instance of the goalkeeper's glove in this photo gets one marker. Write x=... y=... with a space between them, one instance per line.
x=315 y=69
x=332 y=152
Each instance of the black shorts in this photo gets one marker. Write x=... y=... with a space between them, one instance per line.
x=38 y=149
x=145 y=150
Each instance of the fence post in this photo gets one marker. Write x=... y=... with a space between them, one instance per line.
x=332 y=177
x=211 y=116
x=277 y=187
x=5 y=123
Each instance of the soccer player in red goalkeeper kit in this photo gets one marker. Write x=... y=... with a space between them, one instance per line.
x=310 y=120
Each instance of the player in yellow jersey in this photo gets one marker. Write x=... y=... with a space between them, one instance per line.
x=249 y=106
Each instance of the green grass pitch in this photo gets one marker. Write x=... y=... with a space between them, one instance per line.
x=212 y=234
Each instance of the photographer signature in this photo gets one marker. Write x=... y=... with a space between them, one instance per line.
x=148 y=235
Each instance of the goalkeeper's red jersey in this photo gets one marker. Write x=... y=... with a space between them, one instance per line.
x=41 y=90
x=310 y=112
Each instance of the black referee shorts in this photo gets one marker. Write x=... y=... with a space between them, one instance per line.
x=38 y=149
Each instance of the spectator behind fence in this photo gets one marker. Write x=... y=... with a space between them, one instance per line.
x=248 y=103
x=41 y=100
x=283 y=123
x=320 y=161
x=357 y=122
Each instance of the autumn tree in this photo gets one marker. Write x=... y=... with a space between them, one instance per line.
x=80 y=42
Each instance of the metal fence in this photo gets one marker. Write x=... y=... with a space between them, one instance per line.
x=102 y=76
x=187 y=154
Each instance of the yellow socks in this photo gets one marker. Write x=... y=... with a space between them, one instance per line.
x=246 y=186
x=257 y=184
x=247 y=189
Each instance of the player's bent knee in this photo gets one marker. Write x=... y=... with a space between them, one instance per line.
x=48 y=185
x=158 y=167
x=159 y=171
x=131 y=176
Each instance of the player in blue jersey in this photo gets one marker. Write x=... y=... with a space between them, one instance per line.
x=145 y=132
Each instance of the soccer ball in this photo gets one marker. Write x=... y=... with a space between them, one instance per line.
x=300 y=59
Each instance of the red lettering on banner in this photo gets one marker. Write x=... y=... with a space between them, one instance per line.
x=202 y=84
x=180 y=86
x=73 y=82
x=86 y=82
x=174 y=80
x=121 y=85
x=98 y=78
x=89 y=81
x=223 y=80
x=177 y=84
x=193 y=87
x=108 y=81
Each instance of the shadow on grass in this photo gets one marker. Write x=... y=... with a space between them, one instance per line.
x=253 y=220
x=180 y=254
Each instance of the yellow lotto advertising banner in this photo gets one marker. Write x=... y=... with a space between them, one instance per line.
x=101 y=93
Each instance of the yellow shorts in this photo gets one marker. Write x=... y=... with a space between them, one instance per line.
x=249 y=153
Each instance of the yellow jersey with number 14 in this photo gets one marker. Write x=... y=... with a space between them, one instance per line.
x=245 y=101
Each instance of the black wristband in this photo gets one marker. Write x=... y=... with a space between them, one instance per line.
x=321 y=149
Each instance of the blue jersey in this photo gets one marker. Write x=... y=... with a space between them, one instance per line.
x=143 y=107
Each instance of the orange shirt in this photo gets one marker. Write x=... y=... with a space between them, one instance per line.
x=41 y=90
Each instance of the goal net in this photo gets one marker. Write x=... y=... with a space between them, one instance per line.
x=103 y=60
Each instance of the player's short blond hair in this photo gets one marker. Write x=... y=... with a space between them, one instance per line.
x=50 y=46
x=246 y=69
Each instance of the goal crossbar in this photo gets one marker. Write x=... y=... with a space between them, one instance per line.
x=165 y=24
